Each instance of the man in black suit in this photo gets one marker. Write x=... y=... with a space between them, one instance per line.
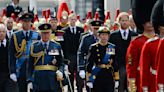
x=70 y=47
x=13 y=8
x=9 y=24
x=6 y=84
x=121 y=38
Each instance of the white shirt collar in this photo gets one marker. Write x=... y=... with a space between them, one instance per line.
x=4 y=42
x=8 y=32
x=122 y=33
x=45 y=43
x=90 y=32
x=74 y=28
x=24 y=32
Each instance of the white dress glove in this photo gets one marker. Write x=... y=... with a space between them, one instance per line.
x=66 y=71
x=13 y=77
x=82 y=74
x=90 y=84
x=59 y=73
x=29 y=86
x=116 y=84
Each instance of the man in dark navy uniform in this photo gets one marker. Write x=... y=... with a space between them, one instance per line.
x=13 y=8
x=19 y=48
x=46 y=63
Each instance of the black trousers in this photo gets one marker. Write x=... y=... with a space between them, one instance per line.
x=73 y=70
x=104 y=81
x=22 y=84
x=6 y=84
x=123 y=80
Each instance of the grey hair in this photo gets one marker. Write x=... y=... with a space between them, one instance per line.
x=2 y=26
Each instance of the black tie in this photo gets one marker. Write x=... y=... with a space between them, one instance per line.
x=124 y=33
x=9 y=34
x=96 y=39
x=45 y=46
x=26 y=36
x=2 y=45
x=73 y=30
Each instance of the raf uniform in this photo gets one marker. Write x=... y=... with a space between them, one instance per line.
x=85 y=43
x=19 y=48
x=42 y=67
x=103 y=58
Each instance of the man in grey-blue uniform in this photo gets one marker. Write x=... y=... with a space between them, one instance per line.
x=87 y=39
x=19 y=48
x=46 y=62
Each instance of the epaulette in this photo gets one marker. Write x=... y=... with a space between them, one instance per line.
x=136 y=37
x=152 y=39
x=37 y=55
x=86 y=35
x=95 y=44
x=17 y=31
x=36 y=42
x=111 y=44
x=55 y=42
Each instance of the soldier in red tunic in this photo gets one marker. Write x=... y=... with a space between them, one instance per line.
x=158 y=19
x=133 y=56
x=160 y=66
x=148 y=64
